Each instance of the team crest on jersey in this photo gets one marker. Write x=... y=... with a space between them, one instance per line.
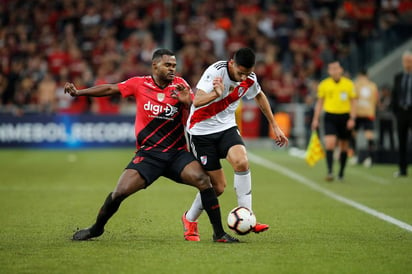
x=160 y=96
x=240 y=91
x=203 y=159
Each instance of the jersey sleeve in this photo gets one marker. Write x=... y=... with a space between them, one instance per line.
x=128 y=87
x=352 y=90
x=206 y=81
x=321 y=89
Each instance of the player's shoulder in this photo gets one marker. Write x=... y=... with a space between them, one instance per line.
x=137 y=79
x=180 y=80
x=326 y=81
x=346 y=80
x=219 y=65
x=374 y=86
x=218 y=68
x=253 y=76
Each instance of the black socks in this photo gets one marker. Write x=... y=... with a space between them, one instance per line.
x=343 y=156
x=109 y=207
x=342 y=159
x=212 y=207
x=329 y=160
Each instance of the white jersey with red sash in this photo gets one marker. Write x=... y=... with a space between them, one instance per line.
x=219 y=114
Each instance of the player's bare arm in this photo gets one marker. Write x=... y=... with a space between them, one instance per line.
x=316 y=115
x=203 y=98
x=351 y=122
x=96 y=91
x=263 y=103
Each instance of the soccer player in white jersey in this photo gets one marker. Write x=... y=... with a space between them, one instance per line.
x=214 y=135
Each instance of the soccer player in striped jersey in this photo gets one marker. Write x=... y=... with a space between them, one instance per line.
x=161 y=101
x=214 y=135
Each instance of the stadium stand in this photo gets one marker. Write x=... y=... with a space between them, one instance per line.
x=44 y=43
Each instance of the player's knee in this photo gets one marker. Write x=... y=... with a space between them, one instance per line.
x=126 y=189
x=202 y=181
x=129 y=182
x=241 y=164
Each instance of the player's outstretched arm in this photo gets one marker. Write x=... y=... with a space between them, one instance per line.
x=96 y=91
x=263 y=103
x=316 y=115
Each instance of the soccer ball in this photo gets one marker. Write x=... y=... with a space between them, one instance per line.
x=241 y=220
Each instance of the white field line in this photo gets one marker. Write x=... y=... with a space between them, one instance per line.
x=299 y=178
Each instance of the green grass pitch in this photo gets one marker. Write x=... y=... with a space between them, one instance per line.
x=316 y=227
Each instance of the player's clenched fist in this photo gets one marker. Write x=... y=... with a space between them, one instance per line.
x=70 y=89
x=218 y=86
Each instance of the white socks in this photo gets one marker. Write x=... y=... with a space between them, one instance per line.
x=243 y=189
x=195 y=210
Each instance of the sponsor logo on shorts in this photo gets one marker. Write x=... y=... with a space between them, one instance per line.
x=137 y=159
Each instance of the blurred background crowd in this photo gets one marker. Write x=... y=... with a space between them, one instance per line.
x=44 y=44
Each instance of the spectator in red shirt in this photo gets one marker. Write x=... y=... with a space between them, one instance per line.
x=57 y=57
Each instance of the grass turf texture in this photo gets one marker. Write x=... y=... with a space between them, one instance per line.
x=47 y=195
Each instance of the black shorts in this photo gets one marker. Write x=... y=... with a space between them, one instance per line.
x=210 y=148
x=364 y=123
x=335 y=124
x=152 y=165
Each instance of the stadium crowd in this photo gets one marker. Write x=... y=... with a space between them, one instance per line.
x=44 y=44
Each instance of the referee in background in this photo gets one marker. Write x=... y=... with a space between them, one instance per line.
x=336 y=96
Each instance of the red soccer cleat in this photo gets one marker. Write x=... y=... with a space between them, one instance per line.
x=191 y=233
x=260 y=228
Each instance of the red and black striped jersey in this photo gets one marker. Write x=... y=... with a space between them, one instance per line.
x=160 y=118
